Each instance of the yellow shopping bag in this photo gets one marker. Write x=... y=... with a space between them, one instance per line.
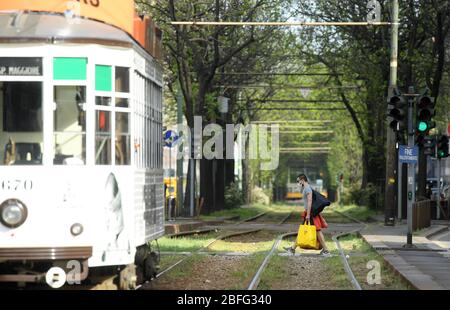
x=307 y=236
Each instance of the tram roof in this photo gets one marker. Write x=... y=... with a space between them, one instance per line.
x=20 y=27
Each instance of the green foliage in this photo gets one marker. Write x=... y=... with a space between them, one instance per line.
x=358 y=57
x=186 y=244
x=233 y=196
x=362 y=196
x=241 y=212
x=259 y=196
x=346 y=157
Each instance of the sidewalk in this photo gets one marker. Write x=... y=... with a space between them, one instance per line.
x=425 y=267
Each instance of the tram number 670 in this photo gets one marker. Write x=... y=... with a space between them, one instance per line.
x=17 y=185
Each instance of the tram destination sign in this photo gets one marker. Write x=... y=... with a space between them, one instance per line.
x=20 y=66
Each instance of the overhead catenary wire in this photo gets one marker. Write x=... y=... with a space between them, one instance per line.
x=279 y=74
x=302 y=127
x=305 y=149
x=282 y=24
x=307 y=132
x=299 y=109
x=294 y=100
x=292 y=121
x=288 y=86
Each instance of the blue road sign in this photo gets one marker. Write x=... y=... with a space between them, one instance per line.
x=408 y=155
x=170 y=138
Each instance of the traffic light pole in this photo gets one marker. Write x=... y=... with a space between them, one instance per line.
x=438 y=202
x=411 y=167
x=399 y=190
x=179 y=198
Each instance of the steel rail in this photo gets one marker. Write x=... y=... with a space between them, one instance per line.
x=255 y=281
x=347 y=267
x=286 y=218
x=221 y=237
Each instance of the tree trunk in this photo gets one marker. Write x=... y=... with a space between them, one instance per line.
x=422 y=174
x=246 y=175
x=365 y=167
x=229 y=172
x=187 y=192
x=206 y=185
x=219 y=185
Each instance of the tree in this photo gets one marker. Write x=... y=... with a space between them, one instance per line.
x=363 y=53
x=196 y=54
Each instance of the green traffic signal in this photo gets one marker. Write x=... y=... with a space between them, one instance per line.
x=425 y=113
x=442 y=147
x=422 y=126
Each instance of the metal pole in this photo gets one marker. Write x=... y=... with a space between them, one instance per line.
x=391 y=140
x=411 y=168
x=180 y=195
x=169 y=207
x=399 y=190
x=192 y=176
x=438 y=203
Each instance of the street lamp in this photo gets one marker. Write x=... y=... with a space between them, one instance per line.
x=223 y=109
x=223 y=104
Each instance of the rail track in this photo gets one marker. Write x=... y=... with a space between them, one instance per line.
x=256 y=279
x=273 y=251
x=202 y=249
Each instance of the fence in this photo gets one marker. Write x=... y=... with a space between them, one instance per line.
x=421 y=214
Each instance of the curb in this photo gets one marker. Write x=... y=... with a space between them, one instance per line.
x=437 y=232
x=389 y=264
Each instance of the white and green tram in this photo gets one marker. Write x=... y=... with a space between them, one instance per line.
x=81 y=178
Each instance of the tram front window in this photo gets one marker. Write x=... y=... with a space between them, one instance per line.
x=70 y=125
x=21 y=133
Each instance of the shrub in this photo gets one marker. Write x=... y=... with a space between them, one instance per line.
x=362 y=196
x=259 y=196
x=233 y=196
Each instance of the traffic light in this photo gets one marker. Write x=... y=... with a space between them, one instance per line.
x=425 y=113
x=397 y=111
x=429 y=145
x=442 y=147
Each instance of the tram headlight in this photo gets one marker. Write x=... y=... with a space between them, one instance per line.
x=76 y=229
x=13 y=213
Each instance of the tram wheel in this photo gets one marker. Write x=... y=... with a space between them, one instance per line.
x=151 y=266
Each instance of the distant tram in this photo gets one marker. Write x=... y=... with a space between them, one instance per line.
x=81 y=178
x=293 y=189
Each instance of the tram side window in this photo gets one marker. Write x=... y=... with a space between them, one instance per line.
x=103 y=137
x=70 y=125
x=122 y=80
x=21 y=125
x=123 y=139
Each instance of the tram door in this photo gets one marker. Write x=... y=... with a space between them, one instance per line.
x=21 y=128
